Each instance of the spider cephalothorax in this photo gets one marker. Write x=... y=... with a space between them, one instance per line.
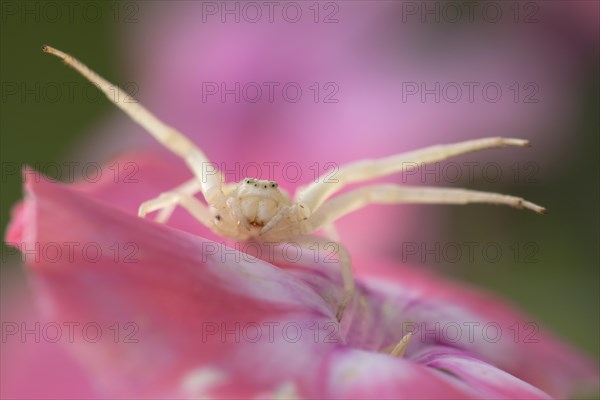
x=260 y=210
x=253 y=203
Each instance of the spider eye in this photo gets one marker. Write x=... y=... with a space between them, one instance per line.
x=273 y=185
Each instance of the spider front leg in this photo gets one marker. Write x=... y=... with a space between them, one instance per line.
x=396 y=194
x=316 y=193
x=166 y=202
x=208 y=176
x=331 y=232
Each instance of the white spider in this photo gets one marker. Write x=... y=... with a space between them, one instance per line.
x=256 y=209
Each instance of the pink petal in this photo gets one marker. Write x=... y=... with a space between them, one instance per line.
x=27 y=357
x=398 y=300
x=454 y=314
x=132 y=178
x=173 y=293
x=174 y=313
x=357 y=374
x=488 y=381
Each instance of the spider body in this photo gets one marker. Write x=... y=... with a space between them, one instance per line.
x=250 y=206
x=255 y=209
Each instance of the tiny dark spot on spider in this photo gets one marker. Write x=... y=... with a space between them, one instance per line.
x=301 y=206
x=218 y=217
x=273 y=184
x=255 y=185
x=265 y=186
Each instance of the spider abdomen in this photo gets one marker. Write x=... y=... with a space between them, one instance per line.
x=258 y=210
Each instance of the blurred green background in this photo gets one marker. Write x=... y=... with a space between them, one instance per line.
x=565 y=276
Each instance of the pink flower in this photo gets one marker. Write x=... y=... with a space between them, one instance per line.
x=194 y=319
x=174 y=300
